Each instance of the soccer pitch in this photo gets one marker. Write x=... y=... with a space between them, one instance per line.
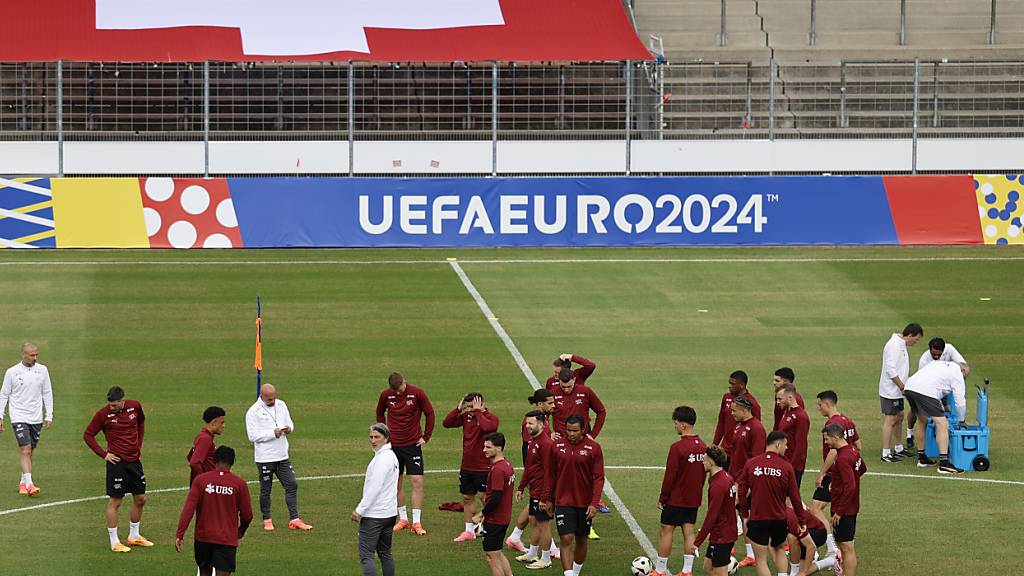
x=665 y=327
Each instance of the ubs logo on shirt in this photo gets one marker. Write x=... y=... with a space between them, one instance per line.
x=408 y=402
x=774 y=472
x=215 y=489
x=695 y=458
x=583 y=452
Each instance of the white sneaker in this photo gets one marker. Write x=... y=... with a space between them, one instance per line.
x=539 y=564
x=526 y=558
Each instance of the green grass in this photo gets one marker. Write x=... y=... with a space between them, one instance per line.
x=179 y=338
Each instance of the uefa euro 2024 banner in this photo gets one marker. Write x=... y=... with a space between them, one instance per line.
x=436 y=212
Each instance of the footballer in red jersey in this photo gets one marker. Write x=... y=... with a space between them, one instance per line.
x=538 y=461
x=782 y=376
x=726 y=421
x=497 y=512
x=573 y=488
x=845 y=489
x=221 y=504
x=123 y=424
x=476 y=422
x=796 y=424
x=200 y=457
x=572 y=398
x=405 y=405
x=748 y=441
x=543 y=401
x=827 y=402
x=719 y=527
x=807 y=541
x=681 y=490
x=762 y=488
x=579 y=375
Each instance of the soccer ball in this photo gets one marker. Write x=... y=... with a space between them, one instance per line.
x=734 y=565
x=641 y=566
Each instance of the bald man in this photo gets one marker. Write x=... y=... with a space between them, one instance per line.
x=268 y=425
x=27 y=394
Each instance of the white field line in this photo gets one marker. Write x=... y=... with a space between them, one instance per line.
x=608 y=467
x=609 y=491
x=506 y=261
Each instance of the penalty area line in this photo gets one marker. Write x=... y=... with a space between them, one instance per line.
x=609 y=491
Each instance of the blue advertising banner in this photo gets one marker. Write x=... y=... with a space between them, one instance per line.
x=436 y=212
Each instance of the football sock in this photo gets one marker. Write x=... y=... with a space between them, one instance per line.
x=576 y=569
x=899 y=448
x=910 y=435
x=112 y=532
x=403 y=514
x=825 y=563
x=517 y=533
x=886 y=452
x=739 y=524
x=568 y=573
x=545 y=556
x=469 y=526
x=688 y=563
x=750 y=551
x=830 y=541
x=532 y=552
x=133 y=530
x=26 y=478
x=554 y=547
x=794 y=569
x=783 y=573
x=661 y=565
x=416 y=516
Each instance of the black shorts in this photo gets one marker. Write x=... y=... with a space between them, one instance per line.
x=924 y=405
x=767 y=532
x=494 y=536
x=125 y=478
x=891 y=407
x=799 y=477
x=675 y=516
x=823 y=494
x=471 y=482
x=217 y=556
x=818 y=535
x=720 y=554
x=526 y=447
x=27 y=434
x=572 y=520
x=846 y=529
x=410 y=459
x=537 y=512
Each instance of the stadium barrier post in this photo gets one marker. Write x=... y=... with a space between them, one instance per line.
x=351 y=119
x=629 y=111
x=772 y=70
x=206 y=118
x=812 y=38
x=992 y=25
x=749 y=119
x=903 y=23
x=722 y=40
x=494 y=119
x=659 y=69
x=843 y=121
x=60 y=118
x=935 y=96
x=917 y=94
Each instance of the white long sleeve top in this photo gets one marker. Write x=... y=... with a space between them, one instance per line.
x=895 y=362
x=26 y=391
x=380 y=495
x=937 y=380
x=260 y=422
x=949 y=354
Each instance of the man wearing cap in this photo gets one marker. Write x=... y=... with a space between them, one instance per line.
x=377 y=511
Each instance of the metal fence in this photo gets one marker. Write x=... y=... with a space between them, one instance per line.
x=604 y=101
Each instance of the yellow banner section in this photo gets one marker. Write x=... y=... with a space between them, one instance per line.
x=1000 y=208
x=98 y=212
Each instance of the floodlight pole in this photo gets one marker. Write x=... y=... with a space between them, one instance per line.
x=917 y=93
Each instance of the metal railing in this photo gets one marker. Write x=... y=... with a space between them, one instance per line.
x=491 y=102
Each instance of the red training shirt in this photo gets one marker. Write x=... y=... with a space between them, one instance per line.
x=793 y=523
x=538 y=461
x=796 y=424
x=779 y=411
x=683 y=484
x=475 y=425
x=200 y=457
x=748 y=441
x=726 y=422
x=123 y=430
x=580 y=374
x=576 y=475
x=581 y=400
x=502 y=477
x=845 y=486
x=849 y=432
x=222 y=507
x=403 y=414
x=720 y=520
x=768 y=479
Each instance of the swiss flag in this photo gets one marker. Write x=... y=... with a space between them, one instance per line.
x=317 y=30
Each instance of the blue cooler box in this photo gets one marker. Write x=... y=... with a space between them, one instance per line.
x=968 y=447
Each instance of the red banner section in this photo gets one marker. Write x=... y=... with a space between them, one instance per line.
x=934 y=209
x=318 y=30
